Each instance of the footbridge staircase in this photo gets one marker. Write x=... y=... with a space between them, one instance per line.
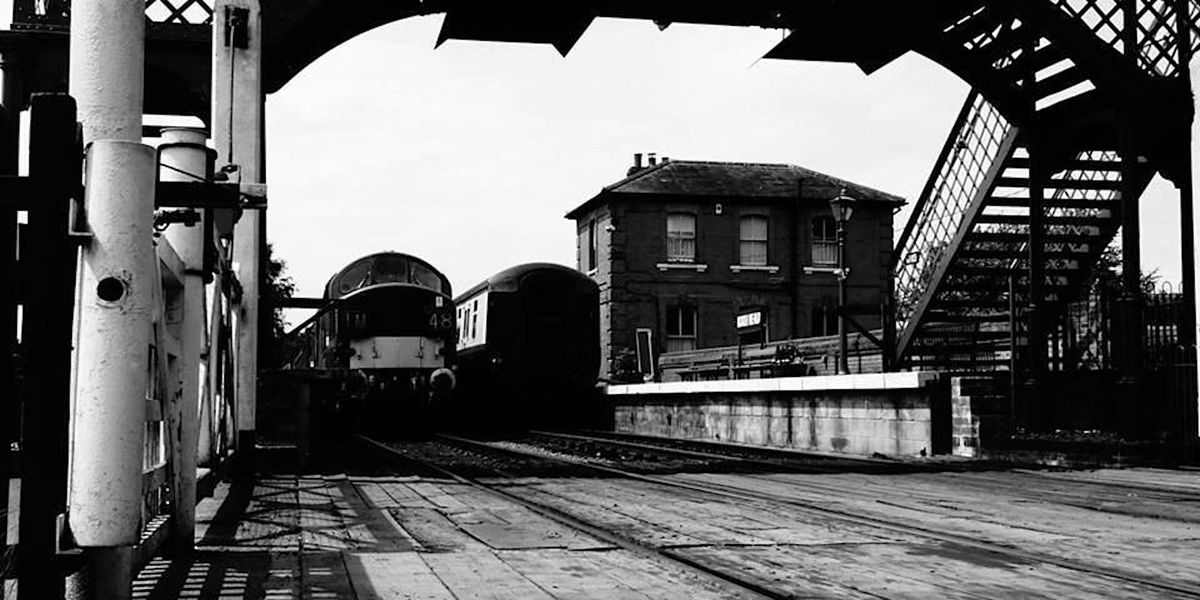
x=1076 y=105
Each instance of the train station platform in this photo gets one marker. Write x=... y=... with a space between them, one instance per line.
x=367 y=533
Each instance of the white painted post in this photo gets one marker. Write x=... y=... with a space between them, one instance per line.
x=107 y=64
x=1194 y=74
x=184 y=157
x=237 y=119
x=107 y=50
x=113 y=354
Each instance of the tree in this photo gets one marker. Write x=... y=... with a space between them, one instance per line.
x=1106 y=273
x=276 y=288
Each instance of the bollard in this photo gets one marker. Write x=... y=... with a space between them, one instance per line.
x=114 y=354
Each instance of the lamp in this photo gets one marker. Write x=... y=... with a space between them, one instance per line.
x=842 y=208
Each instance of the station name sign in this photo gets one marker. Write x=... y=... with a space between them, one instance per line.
x=752 y=319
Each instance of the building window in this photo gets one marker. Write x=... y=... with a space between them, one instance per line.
x=824 y=244
x=681 y=328
x=681 y=237
x=592 y=250
x=587 y=247
x=753 y=241
x=824 y=320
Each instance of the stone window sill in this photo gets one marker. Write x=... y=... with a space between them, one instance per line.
x=761 y=268
x=831 y=270
x=681 y=266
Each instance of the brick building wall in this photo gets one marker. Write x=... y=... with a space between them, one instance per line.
x=639 y=287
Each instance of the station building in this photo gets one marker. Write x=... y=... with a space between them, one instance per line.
x=697 y=254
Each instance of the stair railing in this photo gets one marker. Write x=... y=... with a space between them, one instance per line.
x=967 y=160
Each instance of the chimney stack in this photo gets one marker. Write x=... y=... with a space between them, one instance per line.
x=652 y=159
x=637 y=164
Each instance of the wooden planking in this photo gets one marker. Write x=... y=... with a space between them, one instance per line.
x=1157 y=548
x=481 y=574
x=657 y=580
x=433 y=530
x=402 y=537
x=323 y=575
x=321 y=526
x=907 y=571
x=393 y=575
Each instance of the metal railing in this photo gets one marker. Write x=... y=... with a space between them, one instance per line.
x=1158 y=25
x=975 y=145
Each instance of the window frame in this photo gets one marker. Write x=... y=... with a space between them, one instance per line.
x=675 y=319
x=743 y=241
x=824 y=247
x=680 y=237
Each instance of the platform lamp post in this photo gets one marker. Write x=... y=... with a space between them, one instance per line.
x=842 y=208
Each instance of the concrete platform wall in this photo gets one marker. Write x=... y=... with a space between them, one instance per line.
x=892 y=414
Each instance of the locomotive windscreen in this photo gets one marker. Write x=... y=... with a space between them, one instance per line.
x=387 y=268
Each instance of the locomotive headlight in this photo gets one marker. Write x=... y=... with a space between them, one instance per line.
x=443 y=380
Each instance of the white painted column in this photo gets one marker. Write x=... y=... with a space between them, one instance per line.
x=237 y=120
x=107 y=64
x=107 y=49
x=1194 y=74
x=184 y=157
x=114 y=351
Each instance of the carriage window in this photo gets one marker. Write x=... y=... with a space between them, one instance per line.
x=357 y=276
x=390 y=268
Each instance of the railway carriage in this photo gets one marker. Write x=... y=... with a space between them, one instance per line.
x=528 y=350
x=387 y=336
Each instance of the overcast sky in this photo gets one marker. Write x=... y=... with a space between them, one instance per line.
x=469 y=155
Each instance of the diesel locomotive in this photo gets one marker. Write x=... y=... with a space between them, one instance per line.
x=387 y=338
x=528 y=349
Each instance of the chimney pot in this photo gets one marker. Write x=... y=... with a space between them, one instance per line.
x=653 y=159
x=637 y=160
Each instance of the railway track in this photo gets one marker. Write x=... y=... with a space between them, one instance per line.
x=973 y=475
x=953 y=539
x=732 y=581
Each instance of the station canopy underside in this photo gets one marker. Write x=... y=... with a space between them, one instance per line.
x=868 y=33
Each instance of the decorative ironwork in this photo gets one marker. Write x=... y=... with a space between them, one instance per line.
x=182 y=12
x=56 y=14
x=1157 y=29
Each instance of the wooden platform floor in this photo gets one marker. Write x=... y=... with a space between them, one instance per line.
x=379 y=536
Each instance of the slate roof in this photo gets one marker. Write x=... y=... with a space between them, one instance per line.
x=730 y=180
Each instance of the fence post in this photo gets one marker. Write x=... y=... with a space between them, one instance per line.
x=8 y=320
x=48 y=301
x=238 y=136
